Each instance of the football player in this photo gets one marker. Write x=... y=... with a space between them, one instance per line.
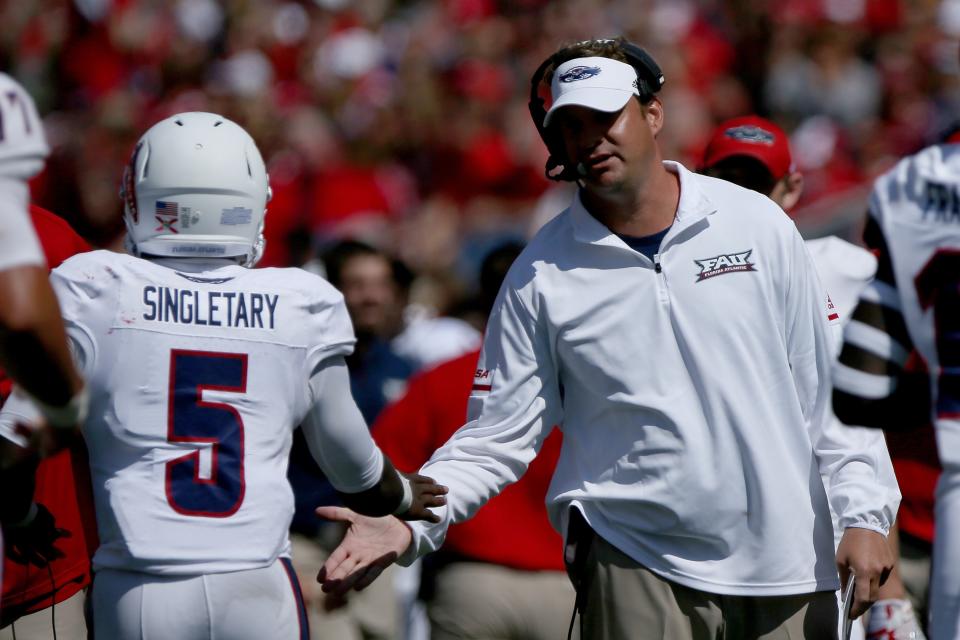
x=33 y=348
x=913 y=225
x=32 y=345
x=200 y=369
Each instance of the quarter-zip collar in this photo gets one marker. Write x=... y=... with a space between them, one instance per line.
x=694 y=205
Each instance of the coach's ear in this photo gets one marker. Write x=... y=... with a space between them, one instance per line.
x=653 y=112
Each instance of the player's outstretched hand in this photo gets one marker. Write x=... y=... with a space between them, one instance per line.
x=370 y=546
x=867 y=554
x=426 y=493
x=35 y=543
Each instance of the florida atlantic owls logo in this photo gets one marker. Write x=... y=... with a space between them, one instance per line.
x=724 y=263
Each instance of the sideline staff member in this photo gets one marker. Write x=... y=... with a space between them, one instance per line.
x=673 y=325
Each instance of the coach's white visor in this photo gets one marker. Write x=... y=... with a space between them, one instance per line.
x=603 y=84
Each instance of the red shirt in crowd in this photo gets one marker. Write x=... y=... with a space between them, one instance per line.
x=63 y=482
x=512 y=528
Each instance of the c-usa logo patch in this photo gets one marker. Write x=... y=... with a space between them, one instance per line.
x=579 y=73
x=724 y=263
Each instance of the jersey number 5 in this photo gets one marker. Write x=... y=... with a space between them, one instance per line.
x=938 y=285
x=218 y=492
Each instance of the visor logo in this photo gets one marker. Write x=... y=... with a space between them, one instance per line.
x=579 y=73
x=724 y=263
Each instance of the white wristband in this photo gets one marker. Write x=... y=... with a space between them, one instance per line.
x=71 y=414
x=407 y=500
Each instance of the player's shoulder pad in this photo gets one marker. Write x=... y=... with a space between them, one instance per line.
x=313 y=289
x=92 y=273
x=23 y=145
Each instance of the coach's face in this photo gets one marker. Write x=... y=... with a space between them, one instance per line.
x=611 y=150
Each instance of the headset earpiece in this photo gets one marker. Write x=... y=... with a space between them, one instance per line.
x=649 y=81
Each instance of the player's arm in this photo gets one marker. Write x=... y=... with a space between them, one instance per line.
x=873 y=386
x=33 y=345
x=340 y=442
x=511 y=411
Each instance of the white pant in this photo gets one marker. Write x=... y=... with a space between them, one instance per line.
x=254 y=604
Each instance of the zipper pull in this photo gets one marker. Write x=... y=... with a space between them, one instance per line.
x=656 y=263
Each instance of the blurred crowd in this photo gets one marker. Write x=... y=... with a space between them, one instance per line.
x=404 y=123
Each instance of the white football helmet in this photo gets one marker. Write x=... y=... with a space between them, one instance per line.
x=196 y=187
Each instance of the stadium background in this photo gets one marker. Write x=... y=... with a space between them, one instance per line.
x=404 y=123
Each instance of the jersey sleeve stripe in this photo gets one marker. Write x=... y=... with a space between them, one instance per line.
x=878 y=343
x=861 y=384
x=882 y=318
x=863 y=360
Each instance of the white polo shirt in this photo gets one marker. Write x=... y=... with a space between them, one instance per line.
x=693 y=398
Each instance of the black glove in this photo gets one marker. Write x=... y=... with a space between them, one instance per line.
x=34 y=542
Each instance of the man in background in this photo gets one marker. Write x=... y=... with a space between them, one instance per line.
x=755 y=153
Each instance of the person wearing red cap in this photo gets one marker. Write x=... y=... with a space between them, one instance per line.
x=754 y=153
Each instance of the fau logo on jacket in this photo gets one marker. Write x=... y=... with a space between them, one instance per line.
x=724 y=263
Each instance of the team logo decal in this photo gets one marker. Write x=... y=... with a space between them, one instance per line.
x=579 y=73
x=724 y=263
x=750 y=133
x=482 y=380
x=167 y=214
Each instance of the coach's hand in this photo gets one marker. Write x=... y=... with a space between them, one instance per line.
x=370 y=546
x=867 y=554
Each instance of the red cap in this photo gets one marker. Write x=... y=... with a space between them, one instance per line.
x=751 y=136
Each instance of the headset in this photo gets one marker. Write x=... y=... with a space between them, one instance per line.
x=649 y=81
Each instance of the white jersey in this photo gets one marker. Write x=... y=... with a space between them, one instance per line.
x=914 y=303
x=197 y=382
x=23 y=149
x=693 y=394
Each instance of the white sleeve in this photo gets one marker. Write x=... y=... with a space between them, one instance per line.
x=336 y=433
x=514 y=404
x=19 y=246
x=860 y=485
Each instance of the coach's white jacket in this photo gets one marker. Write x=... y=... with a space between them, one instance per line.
x=692 y=392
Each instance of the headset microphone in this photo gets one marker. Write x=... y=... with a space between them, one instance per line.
x=581 y=170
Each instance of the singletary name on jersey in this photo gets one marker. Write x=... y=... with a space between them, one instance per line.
x=215 y=308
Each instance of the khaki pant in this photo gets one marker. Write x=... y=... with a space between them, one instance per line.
x=477 y=600
x=39 y=626
x=371 y=614
x=626 y=601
